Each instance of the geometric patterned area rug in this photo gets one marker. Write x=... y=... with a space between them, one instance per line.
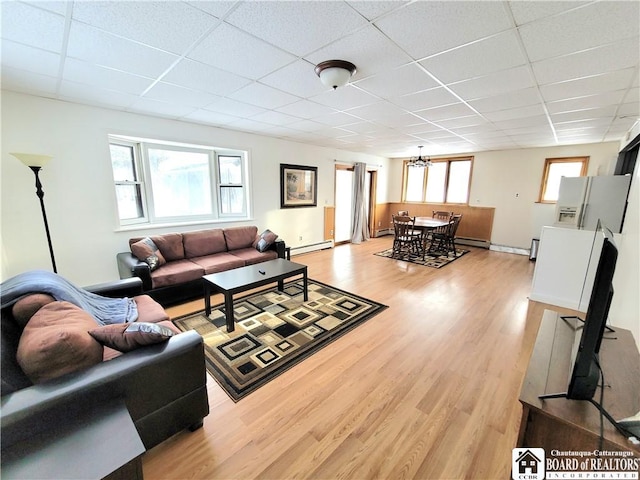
x=274 y=331
x=437 y=261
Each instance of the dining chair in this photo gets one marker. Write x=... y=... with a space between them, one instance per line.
x=443 y=239
x=442 y=215
x=405 y=235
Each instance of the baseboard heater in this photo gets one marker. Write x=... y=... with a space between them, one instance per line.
x=312 y=248
x=473 y=242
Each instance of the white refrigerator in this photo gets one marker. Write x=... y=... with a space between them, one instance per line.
x=582 y=201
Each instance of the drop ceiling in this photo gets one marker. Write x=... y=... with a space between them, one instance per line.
x=453 y=76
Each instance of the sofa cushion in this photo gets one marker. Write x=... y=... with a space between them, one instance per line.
x=111 y=353
x=204 y=242
x=149 y=310
x=252 y=256
x=169 y=244
x=218 y=262
x=264 y=241
x=125 y=337
x=147 y=251
x=178 y=271
x=56 y=342
x=240 y=237
x=26 y=307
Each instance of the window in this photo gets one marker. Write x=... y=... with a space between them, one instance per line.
x=162 y=182
x=446 y=181
x=554 y=170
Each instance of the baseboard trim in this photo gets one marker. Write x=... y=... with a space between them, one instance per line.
x=507 y=249
x=312 y=248
x=473 y=242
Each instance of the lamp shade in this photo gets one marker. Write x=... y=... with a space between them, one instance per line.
x=335 y=73
x=32 y=159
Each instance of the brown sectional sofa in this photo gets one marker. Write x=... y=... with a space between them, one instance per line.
x=190 y=255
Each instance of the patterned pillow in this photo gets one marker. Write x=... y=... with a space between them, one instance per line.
x=147 y=251
x=125 y=337
x=265 y=240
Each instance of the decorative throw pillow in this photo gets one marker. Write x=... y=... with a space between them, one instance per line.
x=26 y=307
x=55 y=342
x=265 y=240
x=129 y=336
x=147 y=251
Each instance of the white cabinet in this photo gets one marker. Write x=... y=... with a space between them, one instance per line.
x=565 y=267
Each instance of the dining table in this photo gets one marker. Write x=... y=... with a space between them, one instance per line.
x=425 y=225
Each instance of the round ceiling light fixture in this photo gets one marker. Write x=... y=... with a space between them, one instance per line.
x=335 y=73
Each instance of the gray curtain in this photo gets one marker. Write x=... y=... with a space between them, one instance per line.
x=360 y=230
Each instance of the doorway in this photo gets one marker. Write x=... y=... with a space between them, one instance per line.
x=344 y=202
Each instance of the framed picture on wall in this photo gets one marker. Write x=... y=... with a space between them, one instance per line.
x=298 y=186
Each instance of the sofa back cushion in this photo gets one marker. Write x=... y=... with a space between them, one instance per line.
x=56 y=341
x=240 y=237
x=203 y=242
x=169 y=244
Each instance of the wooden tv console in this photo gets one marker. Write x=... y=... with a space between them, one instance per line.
x=563 y=424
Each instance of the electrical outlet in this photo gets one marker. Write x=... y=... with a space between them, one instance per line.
x=300 y=238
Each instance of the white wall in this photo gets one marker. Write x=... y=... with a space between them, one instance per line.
x=509 y=180
x=625 y=308
x=79 y=193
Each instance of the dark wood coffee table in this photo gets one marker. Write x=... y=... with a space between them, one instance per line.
x=245 y=278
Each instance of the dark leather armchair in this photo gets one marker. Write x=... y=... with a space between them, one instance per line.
x=163 y=386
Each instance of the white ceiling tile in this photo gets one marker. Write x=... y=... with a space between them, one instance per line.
x=93 y=95
x=372 y=9
x=399 y=81
x=32 y=26
x=248 y=125
x=448 y=111
x=434 y=97
x=211 y=118
x=275 y=118
x=306 y=109
x=336 y=119
x=496 y=83
x=235 y=108
x=29 y=59
x=462 y=122
x=633 y=95
x=594 y=61
x=492 y=54
x=263 y=96
x=217 y=8
x=306 y=126
x=93 y=45
x=631 y=109
x=368 y=49
x=171 y=26
x=59 y=7
x=281 y=23
x=583 y=103
x=149 y=106
x=594 y=24
x=169 y=93
x=535 y=121
x=528 y=11
x=345 y=98
x=298 y=78
x=199 y=76
x=590 y=113
x=510 y=113
x=28 y=82
x=238 y=52
x=426 y=28
x=599 y=84
x=504 y=101
x=101 y=77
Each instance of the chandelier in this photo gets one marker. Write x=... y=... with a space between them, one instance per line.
x=419 y=161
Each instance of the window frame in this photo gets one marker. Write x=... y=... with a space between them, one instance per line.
x=448 y=160
x=547 y=167
x=142 y=170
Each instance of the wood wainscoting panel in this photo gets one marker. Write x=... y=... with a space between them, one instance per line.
x=476 y=224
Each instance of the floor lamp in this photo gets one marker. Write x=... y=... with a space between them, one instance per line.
x=36 y=162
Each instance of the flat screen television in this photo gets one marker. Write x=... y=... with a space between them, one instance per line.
x=586 y=372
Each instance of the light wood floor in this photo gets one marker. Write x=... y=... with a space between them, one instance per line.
x=427 y=389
